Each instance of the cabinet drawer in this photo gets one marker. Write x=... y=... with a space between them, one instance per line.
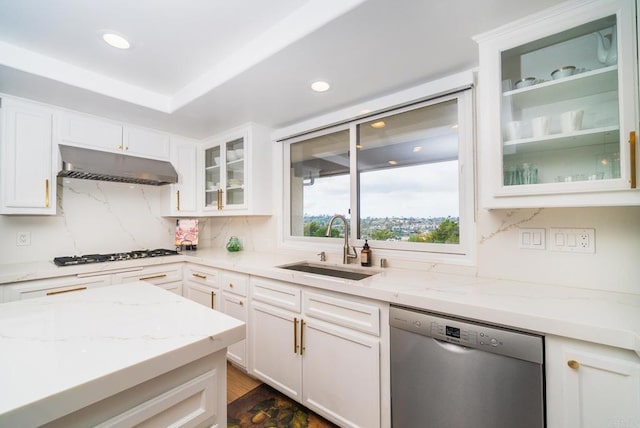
x=340 y=311
x=201 y=275
x=154 y=274
x=233 y=282
x=49 y=287
x=276 y=293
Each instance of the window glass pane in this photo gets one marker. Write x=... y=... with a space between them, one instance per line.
x=319 y=183
x=408 y=176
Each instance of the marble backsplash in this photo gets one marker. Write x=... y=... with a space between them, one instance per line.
x=92 y=217
x=102 y=217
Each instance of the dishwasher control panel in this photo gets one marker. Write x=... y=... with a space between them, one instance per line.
x=468 y=333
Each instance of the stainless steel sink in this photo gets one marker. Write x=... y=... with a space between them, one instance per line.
x=330 y=270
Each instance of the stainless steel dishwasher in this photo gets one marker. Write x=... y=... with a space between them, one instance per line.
x=455 y=373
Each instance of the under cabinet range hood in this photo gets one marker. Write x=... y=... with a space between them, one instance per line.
x=105 y=166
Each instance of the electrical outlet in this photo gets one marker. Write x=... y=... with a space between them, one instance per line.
x=23 y=238
x=531 y=239
x=572 y=240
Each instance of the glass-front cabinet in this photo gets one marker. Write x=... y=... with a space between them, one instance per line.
x=233 y=183
x=558 y=108
x=225 y=170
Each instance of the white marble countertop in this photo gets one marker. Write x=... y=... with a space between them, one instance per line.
x=595 y=316
x=67 y=351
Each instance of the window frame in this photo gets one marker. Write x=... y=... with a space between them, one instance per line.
x=462 y=253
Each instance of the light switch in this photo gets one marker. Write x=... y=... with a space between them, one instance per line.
x=532 y=239
x=573 y=240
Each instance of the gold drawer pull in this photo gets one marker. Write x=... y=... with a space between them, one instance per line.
x=632 y=157
x=295 y=335
x=241 y=303
x=199 y=275
x=46 y=193
x=162 y=275
x=178 y=199
x=573 y=364
x=230 y=285
x=301 y=336
x=213 y=299
x=51 y=293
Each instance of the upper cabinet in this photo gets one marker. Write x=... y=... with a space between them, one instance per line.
x=102 y=134
x=558 y=108
x=236 y=171
x=181 y=198
x=28 y=171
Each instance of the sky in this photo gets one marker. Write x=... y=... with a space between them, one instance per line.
x=427 y=190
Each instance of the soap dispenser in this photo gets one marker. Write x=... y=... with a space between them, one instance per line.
x=365 y=254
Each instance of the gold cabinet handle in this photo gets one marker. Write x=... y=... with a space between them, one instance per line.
x=46 y=193
x=213 y=300
x=162 y=275
x=632 y=157
x=573 y=364
x=241 y=303
x=178 y=199
x=199 y=275
x=301 y=336
x=126 y=147
x=51 y=293
x=295 y=335
x=231 y=285
x=219 y=199
x=119 y=146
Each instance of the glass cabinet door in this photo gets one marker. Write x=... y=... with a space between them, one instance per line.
x=560 y=107
x=235 y=173
x=212 y=167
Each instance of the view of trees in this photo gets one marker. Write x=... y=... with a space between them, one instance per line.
x=438 y=230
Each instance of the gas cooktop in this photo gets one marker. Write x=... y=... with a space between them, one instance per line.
x=97 y=258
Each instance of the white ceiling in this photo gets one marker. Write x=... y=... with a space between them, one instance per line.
x=199 y=67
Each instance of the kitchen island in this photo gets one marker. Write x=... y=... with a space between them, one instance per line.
x=126 y=354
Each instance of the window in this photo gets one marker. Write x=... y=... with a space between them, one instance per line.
x=403 y=179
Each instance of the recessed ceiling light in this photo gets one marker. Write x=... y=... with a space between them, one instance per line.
x=392 y=162
x=116 y=41
x=358 y=146
x=320 y=86
x=379 y=124
x=365 y=111
x=417 y=149
x=455 y=126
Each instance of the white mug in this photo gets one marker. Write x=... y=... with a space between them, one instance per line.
x=571 y=120
x=514 y=130
x=540 y=126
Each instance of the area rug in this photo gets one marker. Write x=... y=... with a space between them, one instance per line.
x=264 y=407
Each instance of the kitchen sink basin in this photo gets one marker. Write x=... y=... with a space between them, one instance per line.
x=330 y=270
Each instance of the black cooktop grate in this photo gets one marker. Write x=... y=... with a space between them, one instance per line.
x=98 y=258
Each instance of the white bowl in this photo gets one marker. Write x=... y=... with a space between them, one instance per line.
x=525 y=81
x=561 y=72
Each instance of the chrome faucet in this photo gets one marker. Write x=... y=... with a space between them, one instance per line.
x=346 y=253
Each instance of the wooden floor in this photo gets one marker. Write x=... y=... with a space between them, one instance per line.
x=238 y=383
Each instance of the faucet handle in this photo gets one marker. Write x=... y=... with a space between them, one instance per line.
x=323 y=256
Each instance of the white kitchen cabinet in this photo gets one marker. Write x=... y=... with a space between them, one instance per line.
x=167 y=276
x=590 y=385
x=200 y=284
x=234 y=288
x=181 y=198
x=27 y=159
x=321 y=349
x=236 y=173
x=53 y=286
x=560 y=139
x=146 y=143
x=77 y=129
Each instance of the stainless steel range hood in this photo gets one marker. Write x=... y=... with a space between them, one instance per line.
x=104 y=166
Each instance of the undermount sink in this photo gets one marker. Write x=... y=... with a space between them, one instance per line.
x=330 y=270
